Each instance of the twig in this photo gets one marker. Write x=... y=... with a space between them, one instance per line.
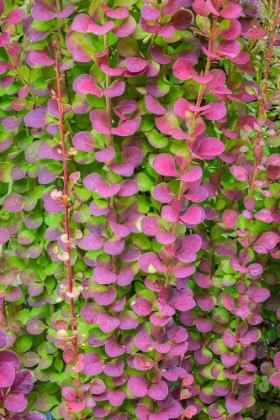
x=66 y=202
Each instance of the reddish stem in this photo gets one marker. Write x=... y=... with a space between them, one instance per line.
x=66 y=202
x=256 y=163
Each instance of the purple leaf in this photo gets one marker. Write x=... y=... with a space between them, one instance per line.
x=107 y=323
x=84 y=141
x=7 y=374
x=14 y=203
x=3 y=338
x=125 y=27
x=234 y=406
x=104 y=276
x=36 y=118
x=4 y=237
x=16 y=403
x=116 y=397
x=274 y=379
x=114 y=368
x=135 y=64
x=239 y=173
x=276 y=361
x=207 y=148
x=4 y=39
x=105 y=155
x=66 y=12
x=159 y=391
x=23 y=382
x=197 y=194
x=229 y=48
x=41 y=58
x=15 y=16
x=137 y=385
x=149 y=13
x=142 y=307
x=150 y=263
x=100 y=121
x=113 y=348
x=42 y=12
x=92 y=364
x=33 y=415
x=81 y=23
x=92 y=241
x=194 y=215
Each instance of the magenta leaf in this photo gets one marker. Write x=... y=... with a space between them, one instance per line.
x=23 y=382
x=117 y=88
x=87 y=86
x=81 y=23
x=16 y=403
x=7 y=374
x=206 y=148
x=149 y=13
x=153 y=106
x=232 y=10
x=135 y=64
x=104 y=276
x=107 y=323
x=100 y=30
x=100 y=121
x=92 y=364
x=15 y=16
x=216 y=112
x=137 y=385
x=41 y=58
x=158 y=391
x=194 y=215
x=126 y=128
x=164 y=165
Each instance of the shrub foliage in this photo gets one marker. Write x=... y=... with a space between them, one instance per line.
x=139 y=175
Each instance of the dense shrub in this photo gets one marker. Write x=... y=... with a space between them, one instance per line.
x=139 y=177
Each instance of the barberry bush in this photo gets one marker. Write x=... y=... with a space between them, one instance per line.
x=139 y=209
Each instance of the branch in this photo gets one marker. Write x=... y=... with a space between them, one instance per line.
x=66 y=201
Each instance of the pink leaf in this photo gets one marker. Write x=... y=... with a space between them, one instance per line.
x=15 y=16
x=232 y=10
x=153 y=106
x=126 y=128
x=208 y=147
x=100 y=121
x=194 y=215
x=216 y=112
x=149 y=13
x=117 y=88
x=239 y=173
x=164 y=164
x=87 y=86
x=100 y=30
